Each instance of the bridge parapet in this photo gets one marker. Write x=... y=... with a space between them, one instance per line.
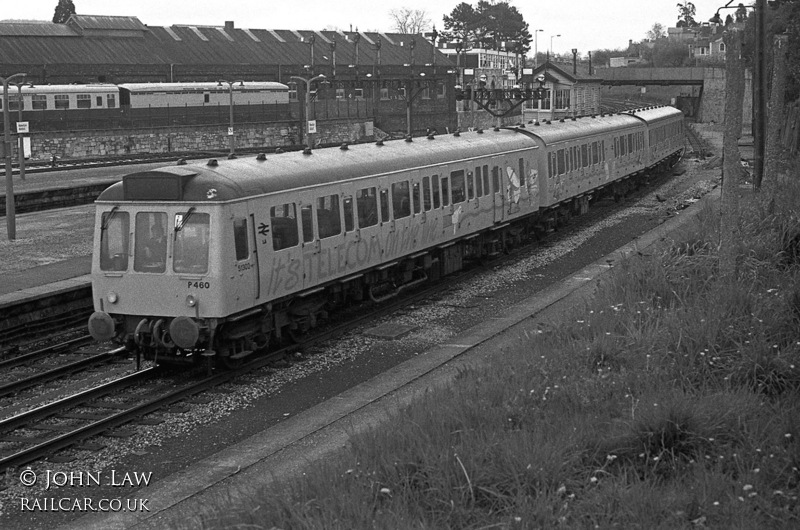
x=693 y=75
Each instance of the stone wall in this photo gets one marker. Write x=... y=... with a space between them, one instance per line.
x=712 y=104
x=93 y=144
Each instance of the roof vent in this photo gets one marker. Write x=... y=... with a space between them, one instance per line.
x=307 y=151
x=181 y=162
x=261 y=156
x=497 y=129
x=278 y=150
x=561 y=120
x=548 y=122
x=213 y=162
x=379 y=143
x=536 y=124
x=480 y=131
x=344 y=147
x=231 y=156
x=409 y=139
x=574 y=119
x=430 y=136
x=457 y=133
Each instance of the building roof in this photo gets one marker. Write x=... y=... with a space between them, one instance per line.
x=573 y=74
x=88 y=39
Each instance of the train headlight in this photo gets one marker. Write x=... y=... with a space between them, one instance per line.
x=184 y=332
x=191 y=301
x=112 y=297
x=101 y=326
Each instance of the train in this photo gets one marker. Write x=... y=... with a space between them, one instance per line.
x=102 y=104
x=223 y=259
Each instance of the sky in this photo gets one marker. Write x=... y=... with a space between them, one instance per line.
x=583 y=24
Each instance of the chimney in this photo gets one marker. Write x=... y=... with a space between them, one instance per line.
x=228 y=25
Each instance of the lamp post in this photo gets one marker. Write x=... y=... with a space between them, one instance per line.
x=536 y=47
x=551 y=42
x=308 y=103
x=11 y=225
x=231 y=136
x=20 y=141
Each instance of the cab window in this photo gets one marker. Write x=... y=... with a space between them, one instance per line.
x=114 y=231
x=150 y=251
x=190 y=254
x=283 y=219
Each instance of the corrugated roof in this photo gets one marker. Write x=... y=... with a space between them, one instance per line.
x=135 y=43
x=103 y=22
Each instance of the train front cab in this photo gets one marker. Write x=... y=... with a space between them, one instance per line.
x=155 y=281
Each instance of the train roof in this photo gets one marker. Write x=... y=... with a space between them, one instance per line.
x=202 y=86
x=568 y=130
x=69 y=89
x=247 y=177
x=653 y=115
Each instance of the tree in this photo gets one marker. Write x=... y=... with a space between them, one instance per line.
x=410 y=21
x=656 y=32
x=64 y=9
x=505 y=27
x=686 y=16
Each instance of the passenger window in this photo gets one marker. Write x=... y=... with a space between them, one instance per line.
x=150 y=253
x=417 y=198
x=459 y=186
x=401 y=199
x=478 y=182
x=486 y=190
x=367 y=206
x=114 y=232
x=445 y=191
x=385 y=206
x=329 y=222
x=426 y=193
x=622 y=146
x=284 y=226
x=240 y=238
x=191 y=243
x=585 y=155
x=349 y=214
x=595 y=156
x=561 y=164
x=308 y=225
x=436 y=195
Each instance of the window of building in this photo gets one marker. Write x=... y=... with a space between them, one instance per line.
x=384 y=93
x=340 y=93
x=111 y=101
x=283 y=219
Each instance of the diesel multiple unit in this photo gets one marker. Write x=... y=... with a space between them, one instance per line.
x=220 y=259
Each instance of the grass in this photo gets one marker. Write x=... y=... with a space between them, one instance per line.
x=668 y=401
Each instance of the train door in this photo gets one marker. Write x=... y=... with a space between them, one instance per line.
x=498 y=190
x=402 y=208
x=283 y=271
x=328 y=218
x=308 y=238
x=243 y=258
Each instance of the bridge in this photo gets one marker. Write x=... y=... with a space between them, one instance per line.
x=696 y=75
